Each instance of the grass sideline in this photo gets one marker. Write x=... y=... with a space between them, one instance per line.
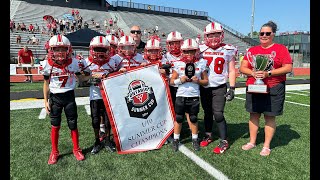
x=36 y=86
x=30 y=148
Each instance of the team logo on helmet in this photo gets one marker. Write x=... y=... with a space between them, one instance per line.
x=140 y=100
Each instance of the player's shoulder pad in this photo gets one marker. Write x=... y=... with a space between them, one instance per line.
x=229 y=47
x=202 y=47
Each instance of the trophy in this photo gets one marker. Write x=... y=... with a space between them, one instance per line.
x=259 y=62
x=189 y=71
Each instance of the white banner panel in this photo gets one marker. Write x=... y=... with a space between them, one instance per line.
x=140 y=109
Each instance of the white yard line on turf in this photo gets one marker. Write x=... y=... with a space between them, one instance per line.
x=43 y=113
x=87 y=107
x=298 y=93
x=200 y=162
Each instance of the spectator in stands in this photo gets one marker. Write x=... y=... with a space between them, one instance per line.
x=77 y=13
x=72 y=12
x=37 y=28
x=23 y=27
x=115 y=20
x=272 y=103
x=145 y=33
x=135 y=33
x=105 y=23
x=79 y=25
x=97 y=25
x=31 y=28
x=18 y=27
x=28 y=40
x=163 y=34
x=110 y=22
x=34 y=40
x=86 y=25
x=18 y=39
x=43 y=30
x=11 y=25
x=156 y=29
x=25 y=56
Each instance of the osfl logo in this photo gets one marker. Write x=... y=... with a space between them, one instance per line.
x=140 y=100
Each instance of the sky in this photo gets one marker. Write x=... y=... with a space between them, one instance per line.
x=289 y=15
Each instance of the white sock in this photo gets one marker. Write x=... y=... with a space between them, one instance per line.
x=176 y=136
x=102 y=128
x=194 y=136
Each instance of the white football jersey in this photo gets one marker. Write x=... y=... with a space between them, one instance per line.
x=217 y=62
x=172 y=60
x=93 y=68
x=189 y=89
x=120 y=62
x=60 y=80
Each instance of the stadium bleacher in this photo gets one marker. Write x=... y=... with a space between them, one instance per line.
x=22 y=11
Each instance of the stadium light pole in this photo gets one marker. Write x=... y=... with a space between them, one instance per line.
x=252 y=19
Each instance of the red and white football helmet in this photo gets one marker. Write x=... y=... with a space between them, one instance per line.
x=152 y=50
x=213 y=41
x=99 y=50
x=113 y=40
x=127 y=47
x=174 y=42
x=190 y=50
x=60 y=50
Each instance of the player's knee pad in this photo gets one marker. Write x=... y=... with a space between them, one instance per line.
x=193 y=118
x=179 y=118
x=55 y=121
x=218 y=116
x=72 y=123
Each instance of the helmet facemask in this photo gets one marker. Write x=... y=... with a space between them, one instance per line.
x=189 y=56
x=174 y=47
x=127 y=51
x=100 y=55
x=214 y=39
x=59 y=54
x=153 y=55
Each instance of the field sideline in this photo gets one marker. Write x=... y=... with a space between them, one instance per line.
x=31 y=146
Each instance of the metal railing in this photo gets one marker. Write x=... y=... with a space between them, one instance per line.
x=158 y=8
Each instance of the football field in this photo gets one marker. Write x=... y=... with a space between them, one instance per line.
x=30 y=147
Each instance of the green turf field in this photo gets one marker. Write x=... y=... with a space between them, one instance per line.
x=290 y=156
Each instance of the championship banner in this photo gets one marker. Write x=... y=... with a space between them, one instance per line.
x=139 y=107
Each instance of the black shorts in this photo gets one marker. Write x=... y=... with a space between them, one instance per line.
x=63 y=101
x=188 y=105
x=98 y=109
x=270 y=104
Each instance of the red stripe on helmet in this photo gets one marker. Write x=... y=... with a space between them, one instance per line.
x=189 y=42
x=212 y=25
x=59 y=38
x=127 y=39
x=112 y=38
x=100 y=39
x=152 y=42
x=173 y=34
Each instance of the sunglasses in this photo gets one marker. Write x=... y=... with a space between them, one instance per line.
x=265 y=33
x=135 y=31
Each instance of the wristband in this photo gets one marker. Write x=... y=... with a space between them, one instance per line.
x=269 y=73
x=177 y=81
x=232 y=87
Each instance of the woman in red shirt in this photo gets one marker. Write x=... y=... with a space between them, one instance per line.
x=269 y=104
